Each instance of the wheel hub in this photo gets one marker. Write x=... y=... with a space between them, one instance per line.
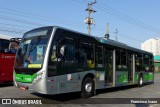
x=88 y=87
x=141 y=81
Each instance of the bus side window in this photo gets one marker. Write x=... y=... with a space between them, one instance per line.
x=66 y=50
x=138 y=62
x=118 y=60
x=99 y=57
x=86 y=55
x=121 y=60
x=124 y=60
x=65 y=55
x=69 y=52
x=57 y=52
x=61 y=50
x=3 y=45
x=52 y=64
x=146 y=62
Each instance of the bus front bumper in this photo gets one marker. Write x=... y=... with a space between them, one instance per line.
x=37 y=87
x=24 y=86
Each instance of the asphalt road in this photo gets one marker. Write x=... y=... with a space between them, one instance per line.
x=112 y=95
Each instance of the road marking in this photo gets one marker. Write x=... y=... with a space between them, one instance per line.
x=153 y=105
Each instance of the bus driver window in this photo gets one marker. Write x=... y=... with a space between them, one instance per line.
x=53 y=54
x=61 y=53
x=58 y=56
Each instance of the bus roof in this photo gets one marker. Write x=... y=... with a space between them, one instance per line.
x=111 y=42
x=101 y=40
x=122 y=45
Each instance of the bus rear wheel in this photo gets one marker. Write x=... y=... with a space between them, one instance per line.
x=140 y=81
x=87 y=88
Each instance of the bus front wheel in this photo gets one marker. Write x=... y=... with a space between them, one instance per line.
x=87 y=88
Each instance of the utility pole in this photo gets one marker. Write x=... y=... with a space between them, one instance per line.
x=116 y=34
x=107 y=32
x=88 y=19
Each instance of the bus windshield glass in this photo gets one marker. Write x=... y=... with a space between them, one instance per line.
x=32 y=49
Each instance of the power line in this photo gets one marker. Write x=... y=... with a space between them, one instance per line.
x=129 y=21
x=39 y=17
x=28 y=15
x=129 y=37
x=33 y=16
x=11 y=31
x=19 y=20
x=123 y=17
x=79 y=1
x=14 y=25
x=121 y=35
x=126 y=18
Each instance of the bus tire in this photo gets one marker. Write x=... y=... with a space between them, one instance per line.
x=140 y=81
x=88 y=86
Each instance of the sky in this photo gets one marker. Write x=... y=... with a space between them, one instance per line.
x=135 y=20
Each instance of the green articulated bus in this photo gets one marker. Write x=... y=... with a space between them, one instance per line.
x=54 y=60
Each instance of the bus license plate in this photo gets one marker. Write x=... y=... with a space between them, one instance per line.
x=23 y=88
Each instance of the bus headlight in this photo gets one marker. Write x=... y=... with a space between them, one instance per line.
x=38 y=77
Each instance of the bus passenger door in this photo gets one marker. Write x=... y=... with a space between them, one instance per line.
x=99 y=65
x=130 y=67
x=109 y=67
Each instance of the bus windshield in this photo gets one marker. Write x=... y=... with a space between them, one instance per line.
x=32 y=50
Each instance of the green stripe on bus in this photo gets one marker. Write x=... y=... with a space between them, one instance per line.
x=151 y=76
x=123 y=78
x=148 y=77
x=136 y=77
x=25 y=78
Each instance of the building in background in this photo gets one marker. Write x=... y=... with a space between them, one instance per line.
x=153 y=45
